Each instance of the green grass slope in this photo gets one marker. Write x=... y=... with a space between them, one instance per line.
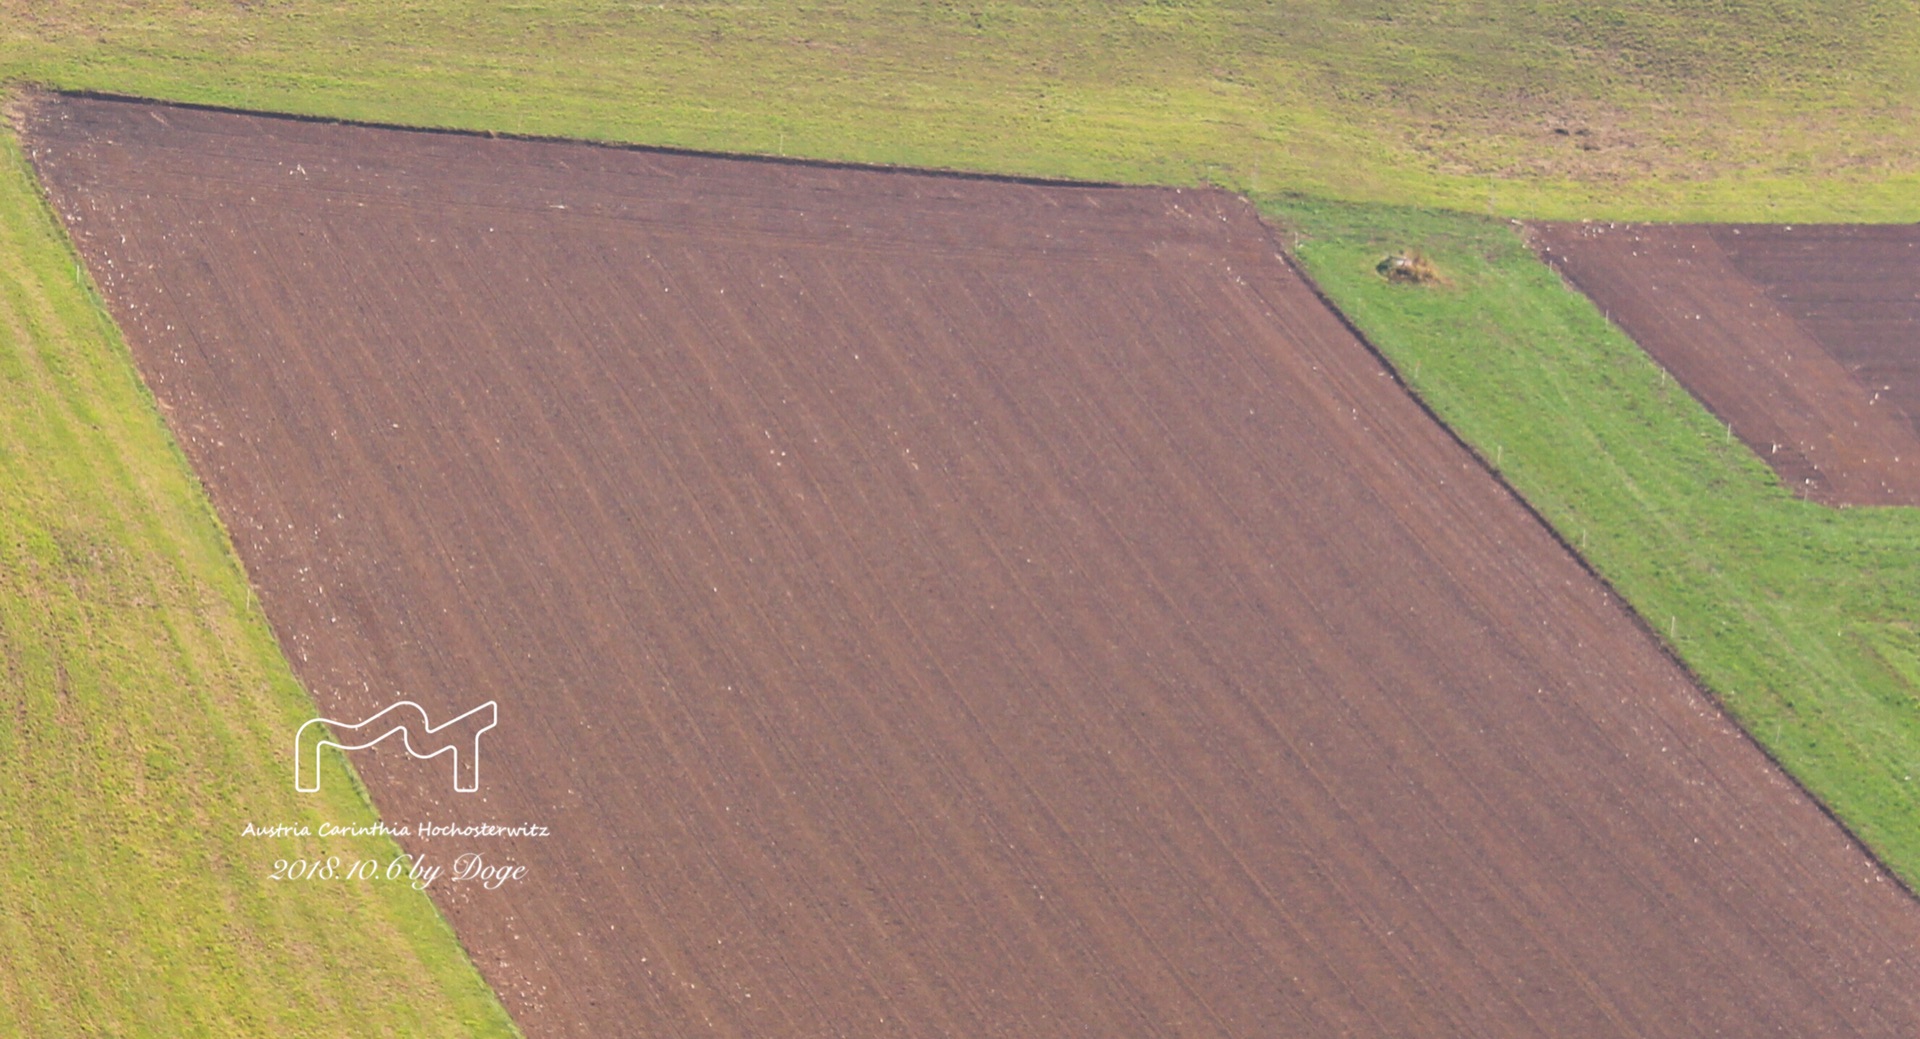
x=1761 y=109
x=1801 y=618
x=145 y=717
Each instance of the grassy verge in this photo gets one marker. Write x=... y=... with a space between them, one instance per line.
x=145 y=712
x=1633 y=108
x=1800 y=617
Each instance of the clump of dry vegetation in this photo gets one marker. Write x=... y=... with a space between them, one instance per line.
x=1410 y=268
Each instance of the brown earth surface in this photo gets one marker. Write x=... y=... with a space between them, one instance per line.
x=929 y=606
x=1804 y=339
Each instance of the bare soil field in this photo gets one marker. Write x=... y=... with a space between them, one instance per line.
x=1804 y=339
x=930 y=606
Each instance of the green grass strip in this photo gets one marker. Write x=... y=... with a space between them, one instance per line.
x=1759 y=109
x=146 y=715
x=1801 y=618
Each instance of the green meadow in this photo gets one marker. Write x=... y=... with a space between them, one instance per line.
x=1630 y=108
x=146 y=717
x=1803 y=619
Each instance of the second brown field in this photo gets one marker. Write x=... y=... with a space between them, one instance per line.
x=923 y=606
x=1803 y=339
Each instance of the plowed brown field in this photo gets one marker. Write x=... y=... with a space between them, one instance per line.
x=1804 y=339
x=927 y=606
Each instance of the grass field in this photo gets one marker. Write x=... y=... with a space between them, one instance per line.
x=1757 y=109
x=147 y=715
x=1799 y=616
